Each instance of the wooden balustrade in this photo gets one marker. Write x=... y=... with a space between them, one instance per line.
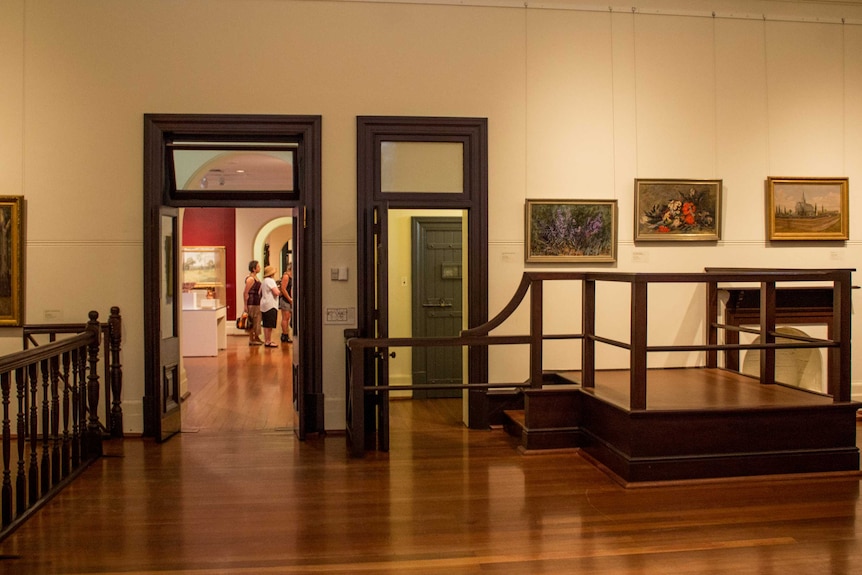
x=52 y=393
x=111 y=416
x=364 y=397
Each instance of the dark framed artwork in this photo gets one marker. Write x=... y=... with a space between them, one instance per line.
x=11 y=249
x=808 y=208
x=571 y=231
x=677 y=210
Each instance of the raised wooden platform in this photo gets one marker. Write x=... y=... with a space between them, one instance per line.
x=699 y=423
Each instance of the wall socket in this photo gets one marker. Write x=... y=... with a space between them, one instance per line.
x=338 y=274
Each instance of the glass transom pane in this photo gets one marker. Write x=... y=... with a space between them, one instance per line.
x=422 y=167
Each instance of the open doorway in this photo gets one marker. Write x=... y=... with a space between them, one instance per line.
x=295 y=140
x=420 y=163
x=226 y=384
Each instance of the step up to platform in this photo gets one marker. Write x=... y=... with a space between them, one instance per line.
x=698 y=425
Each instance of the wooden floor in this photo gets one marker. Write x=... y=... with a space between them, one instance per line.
x=444 y=500
x=244 y=388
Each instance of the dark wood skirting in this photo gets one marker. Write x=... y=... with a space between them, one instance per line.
x=701 y=423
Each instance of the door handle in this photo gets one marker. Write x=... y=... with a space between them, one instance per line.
x=441 y=303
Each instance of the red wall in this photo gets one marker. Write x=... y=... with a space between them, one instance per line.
x=215 y=227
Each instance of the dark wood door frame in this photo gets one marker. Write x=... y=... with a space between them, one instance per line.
x=473 y=134
x=159 y=129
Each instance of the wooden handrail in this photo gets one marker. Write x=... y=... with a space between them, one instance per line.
x=51 y=392
x=838 y=347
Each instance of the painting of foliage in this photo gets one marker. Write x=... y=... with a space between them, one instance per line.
x=571 y=231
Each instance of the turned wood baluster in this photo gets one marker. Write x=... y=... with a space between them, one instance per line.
x=21 y=477
x=33 y=472
x=55 y=420
x=6 y=496
x=93 y=432
x=77 y=405
x=46 y=426
x=65 y=450
x=116 y=418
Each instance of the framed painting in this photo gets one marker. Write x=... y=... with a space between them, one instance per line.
x=203 y=266
x=677 y=210
x=808 y=208
x=571 y=231
x=11 y=249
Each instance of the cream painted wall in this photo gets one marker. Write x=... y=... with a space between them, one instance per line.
x=579 y=102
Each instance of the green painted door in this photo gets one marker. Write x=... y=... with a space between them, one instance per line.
x=437 y=302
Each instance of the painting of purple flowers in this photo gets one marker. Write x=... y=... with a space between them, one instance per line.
x=571 y=231
x=677 y=210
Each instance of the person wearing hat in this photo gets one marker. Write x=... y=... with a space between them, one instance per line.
x=269 y=305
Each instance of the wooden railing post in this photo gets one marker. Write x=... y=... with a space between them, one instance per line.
x=92 y=445
x=711 y=321
x=115 y=323
x=356 y=413
x=536 y=334
x=838 y=373
x=588 y=329
x=767 y=332
x=638 y=344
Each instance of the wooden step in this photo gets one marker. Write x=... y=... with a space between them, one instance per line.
x=514 y=422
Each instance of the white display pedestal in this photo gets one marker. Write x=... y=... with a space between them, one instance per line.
x=204 y=332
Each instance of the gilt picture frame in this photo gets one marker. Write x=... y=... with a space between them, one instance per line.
x=814 y=209
x=11 y=250
x=202 y=266
x=677 y=210
x=570 y=231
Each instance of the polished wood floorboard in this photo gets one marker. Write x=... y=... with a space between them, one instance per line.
x=444 y=500
x=244 y=388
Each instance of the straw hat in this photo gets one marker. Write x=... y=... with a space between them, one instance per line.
x=268 y=271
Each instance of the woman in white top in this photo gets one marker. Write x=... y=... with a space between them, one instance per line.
x=269 y=305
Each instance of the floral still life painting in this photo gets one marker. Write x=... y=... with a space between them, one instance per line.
x=571 y=230
x=677 y=210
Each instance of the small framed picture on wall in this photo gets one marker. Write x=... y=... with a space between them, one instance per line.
x=677 y=210
x=571 y=231
x=807 y=209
